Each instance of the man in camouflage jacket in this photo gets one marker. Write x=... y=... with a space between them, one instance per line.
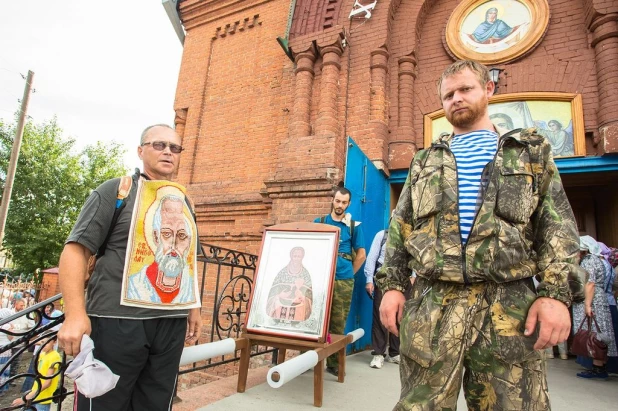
x=474 y=305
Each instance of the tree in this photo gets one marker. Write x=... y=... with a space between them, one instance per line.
x=50 y=187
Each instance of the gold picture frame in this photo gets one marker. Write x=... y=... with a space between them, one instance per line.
x=557 y=116
x=496 y=31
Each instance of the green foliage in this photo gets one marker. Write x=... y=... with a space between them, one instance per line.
x=50 y=187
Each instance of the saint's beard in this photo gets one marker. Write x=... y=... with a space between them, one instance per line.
x=170 y=266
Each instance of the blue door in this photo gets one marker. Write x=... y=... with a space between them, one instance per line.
x=369 y=206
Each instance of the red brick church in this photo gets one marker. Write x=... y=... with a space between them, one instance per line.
x=278 y=101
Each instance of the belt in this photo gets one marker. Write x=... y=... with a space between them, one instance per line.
x=345 y=256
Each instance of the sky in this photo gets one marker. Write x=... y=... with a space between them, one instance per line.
x=105 y=69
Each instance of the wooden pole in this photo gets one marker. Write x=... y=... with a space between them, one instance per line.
x=10 y=174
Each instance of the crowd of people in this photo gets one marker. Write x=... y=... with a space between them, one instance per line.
x=9 y=296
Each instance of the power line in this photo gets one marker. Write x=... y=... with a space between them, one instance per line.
x=14 y=70
x=11 y=71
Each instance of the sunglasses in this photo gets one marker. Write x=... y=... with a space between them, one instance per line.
x=162 y=145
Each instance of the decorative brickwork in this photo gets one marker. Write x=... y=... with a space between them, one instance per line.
x=266 y=137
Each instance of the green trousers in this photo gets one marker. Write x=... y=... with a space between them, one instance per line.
x=472 y=335
x=339 y=309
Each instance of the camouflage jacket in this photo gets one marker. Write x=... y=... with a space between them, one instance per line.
x=524 y=226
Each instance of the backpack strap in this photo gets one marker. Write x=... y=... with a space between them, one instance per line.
x=383 y=239
x=352 y=225
x=323 y=219
x=124 y=188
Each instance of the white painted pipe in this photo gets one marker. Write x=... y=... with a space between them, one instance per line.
x=207 y=351
x=291 y=369
x=356 y=334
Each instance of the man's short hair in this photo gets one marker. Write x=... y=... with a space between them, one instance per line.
x=481 y=72
x=142 y=139
x=343 y=191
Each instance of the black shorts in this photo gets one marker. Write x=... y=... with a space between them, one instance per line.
x=145 y=354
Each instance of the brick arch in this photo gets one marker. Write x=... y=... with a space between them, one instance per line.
x=313 y=16
x=420 y=10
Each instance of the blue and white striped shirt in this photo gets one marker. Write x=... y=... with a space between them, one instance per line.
x=472 y=151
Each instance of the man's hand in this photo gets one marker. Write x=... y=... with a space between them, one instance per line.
x=554 y=319
x=391 y=310
x=71 y=332
x=369 y=288
x=194 y=326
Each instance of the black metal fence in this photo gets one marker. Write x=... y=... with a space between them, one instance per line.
x=226 y=284
x=232 y=272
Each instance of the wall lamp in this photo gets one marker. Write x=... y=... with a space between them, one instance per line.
x=494 y=74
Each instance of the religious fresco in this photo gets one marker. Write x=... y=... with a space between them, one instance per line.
x=496 y=31
x=556 y=116
x=495 y=26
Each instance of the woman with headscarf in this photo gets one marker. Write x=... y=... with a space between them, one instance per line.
x=595 y=304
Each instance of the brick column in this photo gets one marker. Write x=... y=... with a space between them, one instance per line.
x=604 y=29
x=180 y=121
x=378 y=119
x=300 y=125
x=402 y=145
x=407 y=75
x=326 y=124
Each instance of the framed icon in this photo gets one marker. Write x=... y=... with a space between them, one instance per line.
x=294 y=281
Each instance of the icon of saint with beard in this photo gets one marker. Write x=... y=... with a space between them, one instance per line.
x=167 y=279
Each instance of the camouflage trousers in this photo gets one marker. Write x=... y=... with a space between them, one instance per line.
x=339 y=309
x=448 y=327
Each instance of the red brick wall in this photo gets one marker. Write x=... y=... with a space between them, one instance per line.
x=49 y=286
x=245 y=166
x=234 y=85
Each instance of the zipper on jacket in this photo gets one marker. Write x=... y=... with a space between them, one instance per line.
x=501 y=141
x=463 y=246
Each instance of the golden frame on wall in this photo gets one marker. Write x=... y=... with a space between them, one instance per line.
x=496 y=31
x=559 y=117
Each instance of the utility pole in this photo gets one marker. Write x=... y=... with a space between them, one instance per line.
x=10 y=174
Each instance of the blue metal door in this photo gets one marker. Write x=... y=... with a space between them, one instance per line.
x=369 y=206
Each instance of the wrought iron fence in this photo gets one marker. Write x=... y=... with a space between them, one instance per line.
x=233 y=273
x=224 y=307
x=33 y=330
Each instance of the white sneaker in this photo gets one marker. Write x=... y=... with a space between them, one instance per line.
x=377 y=362
x=394 y=360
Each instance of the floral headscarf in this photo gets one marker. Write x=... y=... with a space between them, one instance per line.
x=605 y=251
x=589 y=244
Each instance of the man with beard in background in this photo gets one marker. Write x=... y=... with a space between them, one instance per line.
x=166 y=280
x=350 y=239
